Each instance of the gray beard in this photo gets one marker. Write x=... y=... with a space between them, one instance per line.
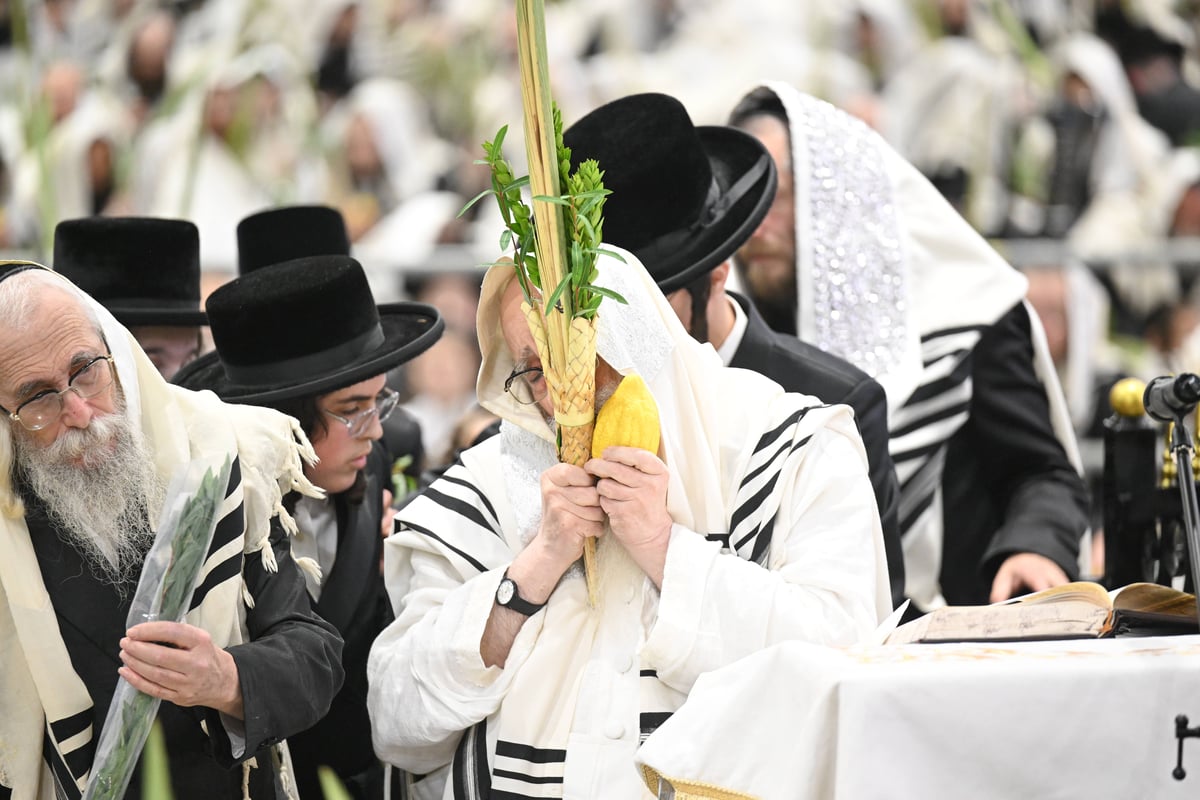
x=99 y=488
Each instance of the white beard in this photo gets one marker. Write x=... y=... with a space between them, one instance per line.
x=100 y=489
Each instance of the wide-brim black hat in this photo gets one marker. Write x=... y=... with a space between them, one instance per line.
x=305 y=327
x=144 y=270
x=290 y=232
x=684 y=198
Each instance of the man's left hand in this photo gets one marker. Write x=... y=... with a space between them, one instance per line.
x=632 y=484
x=1025 y=571
x=179 y=663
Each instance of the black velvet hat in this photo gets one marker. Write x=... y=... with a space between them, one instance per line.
x=282 y=234
x=145 y=270
x=305 y=327
x=684 y=198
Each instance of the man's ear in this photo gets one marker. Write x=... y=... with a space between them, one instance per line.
x=718 y=277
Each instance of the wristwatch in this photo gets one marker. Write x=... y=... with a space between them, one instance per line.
x=509 y=596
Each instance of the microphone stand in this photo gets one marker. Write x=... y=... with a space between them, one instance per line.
x=1181 y=448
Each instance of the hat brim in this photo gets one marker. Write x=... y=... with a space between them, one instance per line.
x=170 y=317
x=409 y=329
x=731 y=153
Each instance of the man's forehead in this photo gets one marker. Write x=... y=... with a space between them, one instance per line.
x=57 y=334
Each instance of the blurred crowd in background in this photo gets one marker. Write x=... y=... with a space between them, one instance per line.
x=1067 y=131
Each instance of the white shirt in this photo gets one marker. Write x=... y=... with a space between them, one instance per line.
x=734 y=340
x=317 y=538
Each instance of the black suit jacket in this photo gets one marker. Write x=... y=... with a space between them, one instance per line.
x=354 y=601
x=800 y=367
x=292 y=654
x=1008 y=486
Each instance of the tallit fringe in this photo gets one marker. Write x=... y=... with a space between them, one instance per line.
x=310 y=567
x=247 y=598
x=247 y=765
x=290 y=478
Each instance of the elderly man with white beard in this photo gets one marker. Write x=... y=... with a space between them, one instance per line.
x=91 y=435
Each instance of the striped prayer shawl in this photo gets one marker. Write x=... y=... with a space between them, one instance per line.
x=70 y=742
x=508 y=756
x=46 y=739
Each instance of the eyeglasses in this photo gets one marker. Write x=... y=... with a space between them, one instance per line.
x=357 y=424
x=527 y=385
x=45 y=407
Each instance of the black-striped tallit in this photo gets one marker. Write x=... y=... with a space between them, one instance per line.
x=890 y=277
x=46 y=737
x=777 y=479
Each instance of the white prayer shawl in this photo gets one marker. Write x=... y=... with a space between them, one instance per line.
x=777 y=478
x=913 y=287
x=41 y=697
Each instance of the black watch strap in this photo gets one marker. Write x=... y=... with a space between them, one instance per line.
x=509 y=596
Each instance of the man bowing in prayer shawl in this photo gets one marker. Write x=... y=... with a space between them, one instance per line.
x=863 y=258
x=91 y=435
x=754 y=524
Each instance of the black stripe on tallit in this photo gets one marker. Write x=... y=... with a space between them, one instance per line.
x=720 y=538
x=500 y=794
x=907 y=521
x=64 y=782
x=743 y=512
x=751 y=504
x=769 y=437
x=929 y=337
x=763 y=543
x=216 y=576
x=460 y=507
x=534 y=755
x=67 y=727
x=936 y=416
x=520 y=776
x=79 y=760
x=406 y=525
x=471 y=779
x=478 y=493
x=228 y=528
x=763 y=466
x=649 y=721
x=942 y=385
x=919 y=452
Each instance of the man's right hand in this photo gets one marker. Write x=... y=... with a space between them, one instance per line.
x=571 y=514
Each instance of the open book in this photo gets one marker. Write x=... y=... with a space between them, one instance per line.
x=1079 y=610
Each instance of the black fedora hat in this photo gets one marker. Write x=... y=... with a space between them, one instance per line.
x=145 y=270
x=684 y=198
x=290 y=232
x=304 y=327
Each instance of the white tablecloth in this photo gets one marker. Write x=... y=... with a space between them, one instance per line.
x=1066 y=719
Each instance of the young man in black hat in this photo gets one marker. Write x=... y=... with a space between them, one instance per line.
x=684 y=199
x=146 y=271
x=305 y=337
x=289 y=232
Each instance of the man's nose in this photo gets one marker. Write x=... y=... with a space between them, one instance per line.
x=374 y=429
x=77 y=412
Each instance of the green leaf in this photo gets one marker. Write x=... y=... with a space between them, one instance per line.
x=475 y=200
x=555 y=296
x=609 y=293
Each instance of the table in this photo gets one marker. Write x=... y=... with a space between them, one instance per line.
x=1088 y=719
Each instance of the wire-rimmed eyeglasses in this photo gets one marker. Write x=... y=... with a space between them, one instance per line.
x=45 y=407
x=357 y=424
x=526 y=384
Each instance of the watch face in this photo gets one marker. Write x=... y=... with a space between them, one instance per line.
x=504 y=594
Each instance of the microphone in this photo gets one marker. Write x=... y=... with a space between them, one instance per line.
x=1171 y=397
